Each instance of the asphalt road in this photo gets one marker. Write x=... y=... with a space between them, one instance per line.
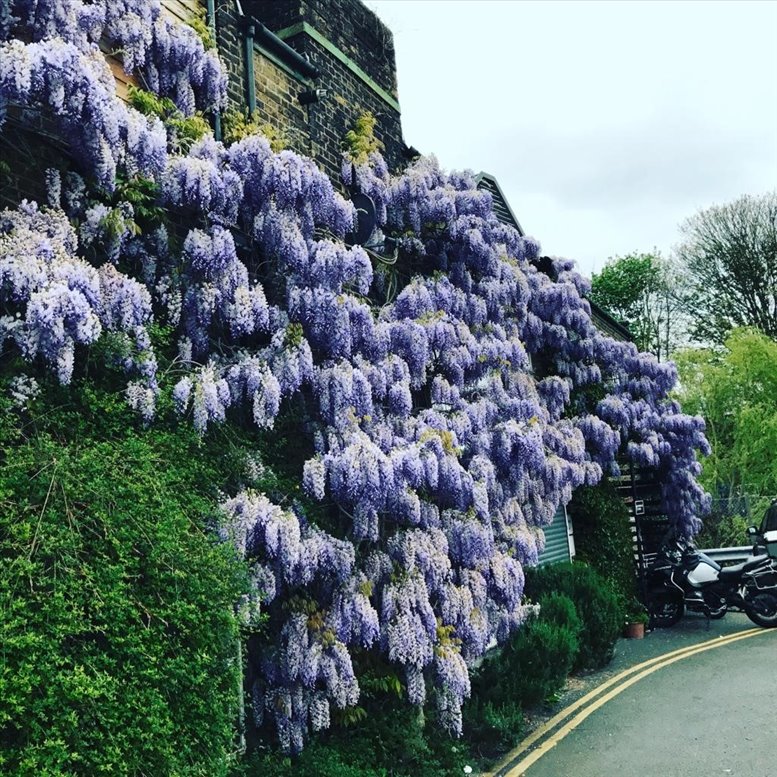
x=712 y=714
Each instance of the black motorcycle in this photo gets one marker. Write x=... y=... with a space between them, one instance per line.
x=681 y=578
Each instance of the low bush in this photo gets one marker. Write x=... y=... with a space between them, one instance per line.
x=392 y=739
x=492 y=728
x=535 y=662
x=559 y=609
x=598 y=606
x=530 y=668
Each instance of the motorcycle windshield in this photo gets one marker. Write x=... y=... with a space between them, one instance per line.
x=769 y=522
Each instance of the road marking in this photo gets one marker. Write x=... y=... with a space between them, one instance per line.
x=540 y=732
x=596 y=699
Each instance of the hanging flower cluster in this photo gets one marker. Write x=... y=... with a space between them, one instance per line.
x=167 y=56
x=635 y=413
x=437 y=451
x=77 y=91
x=50 y=61
x=52 y=301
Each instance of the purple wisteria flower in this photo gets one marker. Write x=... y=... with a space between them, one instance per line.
x=433 y=451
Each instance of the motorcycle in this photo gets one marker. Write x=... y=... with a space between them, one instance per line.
x=681 y=578
x=765 y=537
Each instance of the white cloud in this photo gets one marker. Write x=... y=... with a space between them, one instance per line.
x=605 y=123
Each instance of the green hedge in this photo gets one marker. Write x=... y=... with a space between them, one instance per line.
x=117 y=635
x=603 y=536
x=530 y=668
x=598 y=606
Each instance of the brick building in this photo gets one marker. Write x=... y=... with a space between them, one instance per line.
x=311 y=68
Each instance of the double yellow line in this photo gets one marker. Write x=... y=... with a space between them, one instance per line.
x=593 y=700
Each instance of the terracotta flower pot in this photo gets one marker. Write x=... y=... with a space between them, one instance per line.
x=634 y=630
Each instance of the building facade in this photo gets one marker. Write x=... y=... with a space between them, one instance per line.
x=311 y=68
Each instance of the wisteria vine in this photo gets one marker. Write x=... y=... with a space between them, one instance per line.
x=445 y=423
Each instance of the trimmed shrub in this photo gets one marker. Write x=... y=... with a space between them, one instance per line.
x=542 y=655
x=531 y=667
x=492 y=728
x=559 y=609
x=598 y=607
x=118 y=640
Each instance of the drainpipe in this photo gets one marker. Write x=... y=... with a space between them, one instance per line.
x=254 y=30
x=250 y=29
x=282 y=49
x=212 y=25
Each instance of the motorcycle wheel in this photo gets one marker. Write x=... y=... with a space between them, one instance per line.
x=762 y=609
x=665 y=611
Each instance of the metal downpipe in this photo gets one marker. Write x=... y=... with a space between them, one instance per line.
x=212 y=25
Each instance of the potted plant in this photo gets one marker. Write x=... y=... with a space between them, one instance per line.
x=636 y=619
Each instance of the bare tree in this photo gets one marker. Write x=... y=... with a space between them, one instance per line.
x=729 y=259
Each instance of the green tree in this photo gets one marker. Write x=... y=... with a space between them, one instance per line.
x=735 y=389
x=729 y=260
x=638 y=290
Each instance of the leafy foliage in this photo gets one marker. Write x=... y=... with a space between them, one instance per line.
x=529 y=669
x=598 y=607
x=119 y=640
x=183 y=130
x=621 y=286
x=238 y=125
x=391 y=740
x=603 y=535
x=736 y=391
x=533 y=664
x=360 y=142
x=492 y=728
x=199 y=24
x=639 y=290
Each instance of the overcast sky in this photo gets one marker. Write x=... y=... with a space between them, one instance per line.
x=605 y=123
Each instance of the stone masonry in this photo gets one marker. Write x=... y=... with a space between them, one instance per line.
x=354 y=52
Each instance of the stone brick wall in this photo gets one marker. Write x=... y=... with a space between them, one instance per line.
x=348 y=24
x=367 y=43
x=231 y=51
x=277 y=104
x=277 y=90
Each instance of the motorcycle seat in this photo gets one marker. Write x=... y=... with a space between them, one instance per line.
x=737 y=569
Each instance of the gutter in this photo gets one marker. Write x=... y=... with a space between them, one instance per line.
x=281 y=49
